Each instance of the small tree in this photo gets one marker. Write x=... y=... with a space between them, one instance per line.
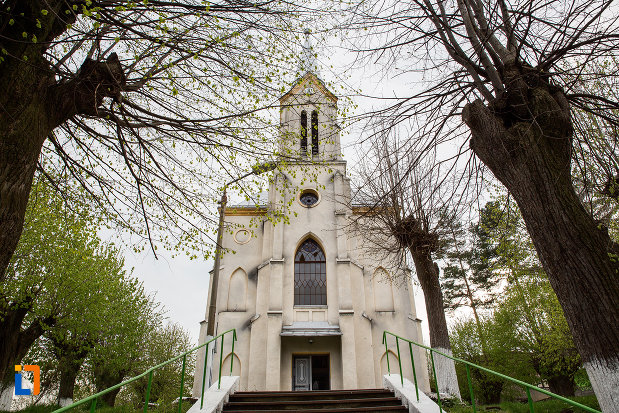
x=468 y=278
x=404 y=221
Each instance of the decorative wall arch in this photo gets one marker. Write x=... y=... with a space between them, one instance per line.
x=236 y=365
x=383 y=290
x=393 y=363
x=237 y=291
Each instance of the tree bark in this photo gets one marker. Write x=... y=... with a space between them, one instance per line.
x=525 y=138
x=104 y=379
x=428 y=275
x=71 y=356
x=16 y=341
x=562 y=385
x=34 y=103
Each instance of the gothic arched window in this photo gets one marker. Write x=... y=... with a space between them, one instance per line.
x=310 y=277
x=303 y=132
x=314 y=132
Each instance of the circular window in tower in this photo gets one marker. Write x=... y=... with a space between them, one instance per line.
x=309 y=198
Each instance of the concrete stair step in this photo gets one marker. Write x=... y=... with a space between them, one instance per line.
x=309 y=395
x=336 y=401
x=310 y=404
x=337 y=410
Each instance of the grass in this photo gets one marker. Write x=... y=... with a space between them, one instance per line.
x=167 y=408
x=544 y=406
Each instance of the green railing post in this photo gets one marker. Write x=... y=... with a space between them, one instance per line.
x=180 y=398
x=397 y=345
x=468 y=378
x=232 y=354
x=204 y=376
x=221 y=355
x=386 y=352
x=531 y=409
x=438 y=392
x=92 y=399
x=150 y=382
x=410 y=348
x=528 y=387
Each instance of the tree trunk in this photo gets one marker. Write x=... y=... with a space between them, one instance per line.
x=70 y=362
x=16 y=341
x=525 y=138
x=562 y=385
x=428 y=275
x=105 y=379
x=22 y=132
x=34 y=103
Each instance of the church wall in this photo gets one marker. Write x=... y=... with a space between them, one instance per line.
x=256 y=287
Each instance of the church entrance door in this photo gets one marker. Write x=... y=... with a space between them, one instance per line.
x=311 y=372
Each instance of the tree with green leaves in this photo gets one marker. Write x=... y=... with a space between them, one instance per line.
x=64 y=349
x=526 y=322
x=60 y=269
x=149 y=105
x=469 y=255
x=118 y=353
x=49 y=278
x=166 y=342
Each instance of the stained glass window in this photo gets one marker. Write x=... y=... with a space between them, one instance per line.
x=308 y=198
x=310 y=276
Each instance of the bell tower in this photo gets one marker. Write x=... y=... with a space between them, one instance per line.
x=308 y=116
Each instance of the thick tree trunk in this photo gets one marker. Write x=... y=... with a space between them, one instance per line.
x=34 y=103
x=70 y=362
x=562 y=385
x=428 y=275
x=525 y=138
x=23 y=129
x=105 y=379
x=16 y=341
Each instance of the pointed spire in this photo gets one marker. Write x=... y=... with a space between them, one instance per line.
x=308 y=57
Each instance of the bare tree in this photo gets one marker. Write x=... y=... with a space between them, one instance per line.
x=403 y=222
x=513 y=72
x=149 y=105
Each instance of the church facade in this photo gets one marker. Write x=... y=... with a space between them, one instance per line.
x=309 y=305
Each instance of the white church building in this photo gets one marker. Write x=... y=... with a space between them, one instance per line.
x=309 y=305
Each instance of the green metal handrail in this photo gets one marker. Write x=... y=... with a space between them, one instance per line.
x=149 y=372
x=528 y=387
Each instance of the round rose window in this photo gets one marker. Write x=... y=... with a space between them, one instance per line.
x=308 y=198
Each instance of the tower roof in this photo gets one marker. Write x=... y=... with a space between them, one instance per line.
x=308 y=80
x=308 y=61
x=308 y=69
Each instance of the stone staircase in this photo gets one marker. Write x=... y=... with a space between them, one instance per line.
x=321 y=401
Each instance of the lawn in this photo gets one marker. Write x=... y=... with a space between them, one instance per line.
x=545 y=406
x=168 y=408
